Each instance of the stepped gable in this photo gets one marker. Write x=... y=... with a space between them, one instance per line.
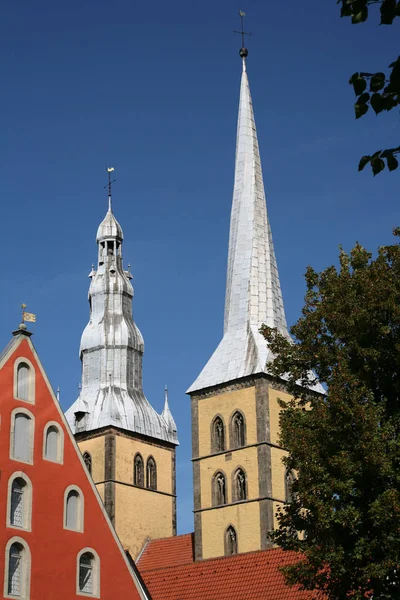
x=169 y=572
x=40 y=549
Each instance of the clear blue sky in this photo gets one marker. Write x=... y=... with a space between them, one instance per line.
x=151 y=88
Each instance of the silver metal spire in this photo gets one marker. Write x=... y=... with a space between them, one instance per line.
x=111 y=350
x=253 y=291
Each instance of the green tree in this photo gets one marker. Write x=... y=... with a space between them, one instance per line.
x=379 y=91
x=344 y=447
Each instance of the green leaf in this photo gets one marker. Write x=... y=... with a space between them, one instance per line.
x=392 y=162
x=377 y=103
x=359 y=84
x=388 y=12
x=377 y=82
x=361 y=16
x=377 y=165
x=360 y=110
x=364 y=161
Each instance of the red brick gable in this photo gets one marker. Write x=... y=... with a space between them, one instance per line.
x=170 y=573
x=53 y=548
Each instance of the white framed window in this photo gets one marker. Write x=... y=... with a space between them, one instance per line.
x=19 y=501
x=22 y=434
x=88 y=573
x=24 y=380
x=73 y=509
x=53 y=442
x=17 y=571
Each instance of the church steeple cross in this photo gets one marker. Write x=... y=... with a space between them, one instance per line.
x=242 y=32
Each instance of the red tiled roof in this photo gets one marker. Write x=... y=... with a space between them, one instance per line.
x=170 y=573
x=167 y=552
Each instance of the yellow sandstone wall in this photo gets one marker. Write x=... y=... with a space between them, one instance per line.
x=142 y=513
x=278 y=468
x=95 y=447
x=245 y=517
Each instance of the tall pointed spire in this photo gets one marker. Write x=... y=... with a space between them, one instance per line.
x=253 y=291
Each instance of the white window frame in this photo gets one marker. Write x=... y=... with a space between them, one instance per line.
x=81 y=509
x=96 y=574
x=31 y=384
x=26 y=569
x=60 y=442
x=27 y=502
x=18 y=410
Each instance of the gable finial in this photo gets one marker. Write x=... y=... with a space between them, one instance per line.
x=243 y=51
x=109 y=184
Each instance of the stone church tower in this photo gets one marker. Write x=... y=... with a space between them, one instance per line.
x=127 y=446
x=239 y=477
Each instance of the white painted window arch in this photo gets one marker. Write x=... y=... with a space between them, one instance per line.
x=74 y=509
x=17 y=569
x=53 y=442
x=88 y=573
x=22 y=435
x=24 y=380
x=19 y=501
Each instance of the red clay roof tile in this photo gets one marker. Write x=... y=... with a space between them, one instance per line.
x=170 y=573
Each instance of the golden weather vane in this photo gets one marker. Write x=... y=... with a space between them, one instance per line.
x=27 y=317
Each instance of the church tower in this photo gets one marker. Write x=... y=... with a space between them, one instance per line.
x=127 y=446
x=239 y=477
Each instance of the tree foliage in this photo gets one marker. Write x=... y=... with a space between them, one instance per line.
x=344 y=446
x=375 y=90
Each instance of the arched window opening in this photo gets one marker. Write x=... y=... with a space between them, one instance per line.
x=87 y=459
x=18 y=498
x=219 y=489
x=86 y=573
x=289 y=479
x=53 y=444
x=231 y=545
x=239 y=486
x=23 y=381
x=238 y=430
x=138 y=471
x=22 y=434
x=15 y=570
x=218 y=435
x=74 y=510
x=151 y=474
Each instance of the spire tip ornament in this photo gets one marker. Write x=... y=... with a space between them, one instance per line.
x=109 y=184
x=243 y=51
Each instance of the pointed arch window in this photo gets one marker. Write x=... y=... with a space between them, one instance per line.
x=17 y=569
x=218 y=435
x=231 y=543
x=239 y=490
x=138 y=471
x=53 y=443
x=238 y=430
x=151 y=474
x=219 y=492
x=22 y=435
x=87 y=459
